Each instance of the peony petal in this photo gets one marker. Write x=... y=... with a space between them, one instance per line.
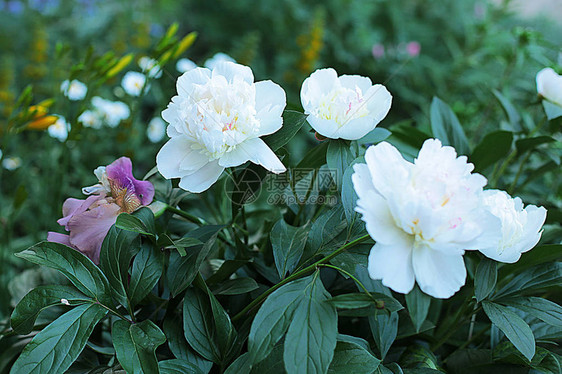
x=324 y=127
x=355 y=129
x=313 y=87
x=393 y=264
x=232 y=71
x=256 y=151
x=87 y=230
x=270 y=103
x=203 y=178
x=193 y=77
x=356 y=81
x=379 y=221
x=378 y=101
x=536 y=216
x=362 y=180
x=438 y=274
x=171 y=155
x=388 y=168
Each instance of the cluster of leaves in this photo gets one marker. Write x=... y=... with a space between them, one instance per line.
x=243 y=291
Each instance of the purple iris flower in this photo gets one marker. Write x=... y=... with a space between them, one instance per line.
x=89 y=220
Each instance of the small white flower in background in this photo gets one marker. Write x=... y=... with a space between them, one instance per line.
x=11 y=162
x=133 y=83
x=423 y=216
x=112 y=112
x=74 y=90
x=212 y=62
x=59 y=129
x=156 y=130
x=346 y=107
x=549 y=88
x=184 y=65
x=90 y=118
x=216 y=122
x=521 y=227
x=150 y=67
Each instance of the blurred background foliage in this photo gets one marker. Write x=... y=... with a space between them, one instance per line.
x=479 y=57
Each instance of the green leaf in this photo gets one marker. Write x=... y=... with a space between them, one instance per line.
x=179 y=244
x=326 y=227
x=241 y=365
x=227 y=268
x=147 y=270
x=485 y=278
x=178 y=366
x=311 y=337
x=419 y=357
x=418 y=306
x=514 y=328
x=236 y=286
x=338 y=158
x=292 y=123
x=117 y=251
x=384 y=329
x=552 y=110
x=352 y=358
x=362 y=300
x=541 y=276
x=447 y=128
x=495 y=146
x=539 y=255
x=543 y=309
x=199 y=329
x=141 y=222
x=182 y=270
x=135 y=345
x=58 y=345
x=288 y=245
x=79 y=269
x=224 y=331
x=273 y=318
x=527 y=144
x=376 y=136
x=313 y=159
x=512 y=115
x=40 y=298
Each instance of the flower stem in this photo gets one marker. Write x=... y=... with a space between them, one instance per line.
x=299 y=274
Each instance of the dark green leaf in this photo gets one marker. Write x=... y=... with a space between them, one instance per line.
x=288 y=245
x=447 y=128
x=552 y=110
x=361 y=300
x=198 y=324
x=236 y=286
x=527 y=144
x=178 y=345
x=147 y=270
x=227 y=268
x=292 y=122
x=313 y=159
x=512 y=115
x=418 y=306
x=539 y=255
x=135 y=345
x=273 y=318
x=225 y=332
x=39 y=298
x=540 y=276
x=241 y=365
x=179 y=244
x=419 y=357
x=538 y=307
x=79 y=269
x=495 y=146
x=117 y=251
x=376 y=136
x=384 y=329
x=338 y=158
x=326 y=227
x=58 y=345
x=352 y=358
x=141 y=222
x=514 y=328
x=485 y=278
x=311 y=337
x=178 y=366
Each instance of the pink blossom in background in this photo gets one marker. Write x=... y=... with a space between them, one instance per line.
x=413 y=48
x=378 y=51
x=89 y=220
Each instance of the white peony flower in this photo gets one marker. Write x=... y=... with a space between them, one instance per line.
x=549 y=88
x=215 y=122
x=112 y=112
x=150 y=67
x=184 y=65
x=520 y=228
x=133 y=83
x=156 y=130
x=74 y=90
x=212 y=62
x=11 y=163
x=346 y=107
x=90 y=118
x=59 y=129
x=423 y=216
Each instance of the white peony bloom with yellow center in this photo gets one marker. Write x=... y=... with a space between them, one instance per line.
x=59 y=129
x=74 y=90
x=133 y=83
x=520 y=227
x=423 y=216
x=346 y=107
x=216 y=121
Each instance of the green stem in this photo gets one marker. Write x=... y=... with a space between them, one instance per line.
x=113 y=312
x=299 y=274
x=186 y=215
x=349 y=275
x=495 y=178
x=511 y=188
